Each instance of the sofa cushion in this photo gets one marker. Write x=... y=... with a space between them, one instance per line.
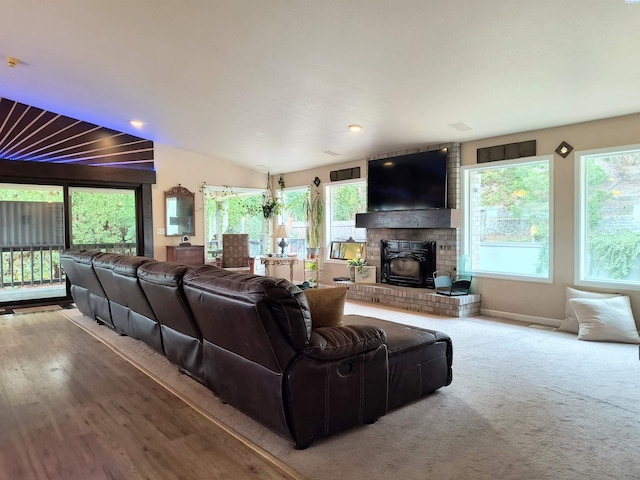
x=326 y=305
x=333 y=343
x=606 y=319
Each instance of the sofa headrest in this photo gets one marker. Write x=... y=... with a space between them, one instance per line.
x=79 y=256
x=128 y=265
x=105 y=260
x=162 y=273
x=286 y=302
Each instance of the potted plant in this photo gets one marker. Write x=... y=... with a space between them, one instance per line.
x=271 y=204
x=353 y=263
x=314 y=207
x=311 y=266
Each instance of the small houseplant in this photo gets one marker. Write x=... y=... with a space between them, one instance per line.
x=311 y=266
x=353 y=263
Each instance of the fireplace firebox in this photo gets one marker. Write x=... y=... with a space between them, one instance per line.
x=408 y=263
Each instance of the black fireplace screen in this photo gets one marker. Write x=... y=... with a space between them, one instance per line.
x=408 y=262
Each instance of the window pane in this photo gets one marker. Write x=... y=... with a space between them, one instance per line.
x=295 y=219
x=508 y=206
x=345 y=201
x=229 y=210
x=104 y=219
x=611 y=217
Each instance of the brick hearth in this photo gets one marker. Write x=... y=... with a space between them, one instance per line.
x=414 y=299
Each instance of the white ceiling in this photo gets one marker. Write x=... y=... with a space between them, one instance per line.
x=273 y=84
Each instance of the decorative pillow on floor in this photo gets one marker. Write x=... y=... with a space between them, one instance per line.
x=606 y=319
x=570 y=322
x=326 y=305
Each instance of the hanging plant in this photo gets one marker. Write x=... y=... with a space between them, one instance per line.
x=227 y=193
x=271 y=204
x=314 y=207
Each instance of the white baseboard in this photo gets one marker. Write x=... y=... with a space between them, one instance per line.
x=550 y=322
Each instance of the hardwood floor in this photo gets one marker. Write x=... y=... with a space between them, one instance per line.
x=70 y=408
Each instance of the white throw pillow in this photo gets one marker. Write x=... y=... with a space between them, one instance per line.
x=606 y=319
x=570 y=322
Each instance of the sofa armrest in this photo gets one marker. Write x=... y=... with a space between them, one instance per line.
x=332 y=343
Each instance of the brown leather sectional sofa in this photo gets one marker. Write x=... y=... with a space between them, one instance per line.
x=250 y=340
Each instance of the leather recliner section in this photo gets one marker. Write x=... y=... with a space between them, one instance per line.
x=182 y=339
x=86 y=288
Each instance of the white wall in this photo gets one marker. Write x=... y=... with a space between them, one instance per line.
x=175 y=166
x=530 y=299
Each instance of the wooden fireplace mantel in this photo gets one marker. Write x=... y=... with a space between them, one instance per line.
x=429 y=218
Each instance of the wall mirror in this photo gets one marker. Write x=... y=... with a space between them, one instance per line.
x=180 y=212
x=348 y=250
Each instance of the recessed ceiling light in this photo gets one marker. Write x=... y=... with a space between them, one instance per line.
x=12 y=62
x=136 y=123
x=355 y=128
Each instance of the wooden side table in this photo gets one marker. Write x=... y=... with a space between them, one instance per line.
x=268 y=261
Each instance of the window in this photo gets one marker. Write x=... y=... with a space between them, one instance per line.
x=294 y=217
x=233 y=210
x=344 y=200
x=104 y=219
x=508 y=220
x=608 y=217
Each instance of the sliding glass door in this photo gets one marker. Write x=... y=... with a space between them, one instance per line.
x=32 y=234
x=31 y=237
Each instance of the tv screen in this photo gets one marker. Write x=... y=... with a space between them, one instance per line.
x=409 y=182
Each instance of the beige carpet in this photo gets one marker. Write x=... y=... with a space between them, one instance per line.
x=525 y=403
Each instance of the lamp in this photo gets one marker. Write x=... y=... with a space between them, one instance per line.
x=281 y=231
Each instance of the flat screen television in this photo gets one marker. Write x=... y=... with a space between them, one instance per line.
x=409 y=182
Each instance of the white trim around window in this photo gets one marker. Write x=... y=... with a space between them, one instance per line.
x=607 y=218
x=357 y=234
x=508 y=222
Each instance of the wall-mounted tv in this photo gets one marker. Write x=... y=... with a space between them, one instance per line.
x=408 y=182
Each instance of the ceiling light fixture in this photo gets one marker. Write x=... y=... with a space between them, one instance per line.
x=355 y=128
x=564 y=149
x=12 y=62
x=136 y=123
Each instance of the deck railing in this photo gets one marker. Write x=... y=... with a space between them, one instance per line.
x=121 y=248
x=30 y=266
x=40 y=265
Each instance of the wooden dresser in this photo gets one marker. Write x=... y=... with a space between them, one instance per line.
x=186 y=254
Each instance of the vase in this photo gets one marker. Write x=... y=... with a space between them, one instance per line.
x=352 y=273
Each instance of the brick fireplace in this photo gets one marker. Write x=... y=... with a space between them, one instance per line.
x=440 y=226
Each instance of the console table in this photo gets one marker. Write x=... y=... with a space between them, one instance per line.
x=268 y=261
x=186 y=254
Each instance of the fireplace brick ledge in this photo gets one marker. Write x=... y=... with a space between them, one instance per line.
x=413 y=299
x=429 y=218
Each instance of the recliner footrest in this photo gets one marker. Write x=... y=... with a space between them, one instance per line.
x=419 y=359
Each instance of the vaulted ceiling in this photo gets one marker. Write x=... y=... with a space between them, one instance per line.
x=273 y=84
